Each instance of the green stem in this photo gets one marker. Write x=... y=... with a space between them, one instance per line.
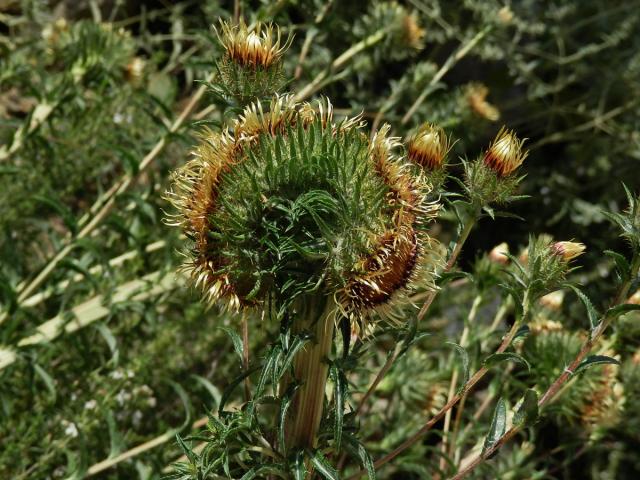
x=311 y=370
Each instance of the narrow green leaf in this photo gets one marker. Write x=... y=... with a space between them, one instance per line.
x=299 y=466
x=622 y=265
x=285 y=403
x=592 y=360
x=210 y=387
x=112 y=343
x=527 y=414
x=465 y=361
x=237 y=341
x=618 y=310
x=116 y=439
x=496 y=358
x=323 y=467
x=591 y=311
x=523 y=331
x=498 y=426
x=46 y=378
x=339 y=397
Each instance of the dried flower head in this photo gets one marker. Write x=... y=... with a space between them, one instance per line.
x=567 y=250
x=476 y=95
x=428 y=147
x=498 y=254
x=292 y=203
x=259 y=47
x=505 y=15
x=505 y=153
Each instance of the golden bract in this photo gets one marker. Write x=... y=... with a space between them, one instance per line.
x=428 y=147
x=505 y=154
x=259 y=47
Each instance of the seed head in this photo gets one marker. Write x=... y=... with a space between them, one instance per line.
x=260 y=47
x=567 y=250
x=428 y=147
x=505 y=154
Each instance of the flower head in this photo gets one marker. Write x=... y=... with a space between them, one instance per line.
x=271 y=212
x=567 y=251
x=476 y=95
x=428 y=147
x=260 y=47
x=412 y=33
x=505 y=153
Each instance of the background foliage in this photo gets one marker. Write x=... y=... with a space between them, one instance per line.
x=109 y=356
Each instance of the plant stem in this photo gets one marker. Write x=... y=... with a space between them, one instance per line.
x=454 y=379
x=310 y=370
x=566 y=375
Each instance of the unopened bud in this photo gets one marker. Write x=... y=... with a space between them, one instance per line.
x=568 y=250
x=505 y=154
x=635 y=298
x=428 y=147
x=498 y=253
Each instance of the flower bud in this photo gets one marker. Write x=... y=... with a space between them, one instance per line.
x=428 y=147
x=567 y=250
x=553 y=300
x=256 y=48
x=505 y=154
x=635 y=298
x=476 y=95
x=412 y=33
x=497 y=254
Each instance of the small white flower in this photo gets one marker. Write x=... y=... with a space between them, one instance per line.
x=152 y=402
x=117 y=375
x=71 y=430
x=90 y=405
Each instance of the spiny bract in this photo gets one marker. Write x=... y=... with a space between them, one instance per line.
x=287 y=202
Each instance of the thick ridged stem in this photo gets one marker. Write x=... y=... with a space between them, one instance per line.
x=311 y=370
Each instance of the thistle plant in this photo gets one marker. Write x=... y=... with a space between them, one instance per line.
x=347 y=315
x=307 y=221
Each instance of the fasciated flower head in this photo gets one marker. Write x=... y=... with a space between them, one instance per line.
x=567 y=251
x=476 y=95
x=292 y=202
x=428 y=147
x=257 y=48
x=505 y=154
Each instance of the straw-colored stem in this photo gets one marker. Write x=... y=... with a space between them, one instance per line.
x=310 y=371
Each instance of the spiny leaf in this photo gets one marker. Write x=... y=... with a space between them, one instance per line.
x=591 y=311
x=496 y=358
x=238 y=346
x=323 y=467
x=592 y=360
